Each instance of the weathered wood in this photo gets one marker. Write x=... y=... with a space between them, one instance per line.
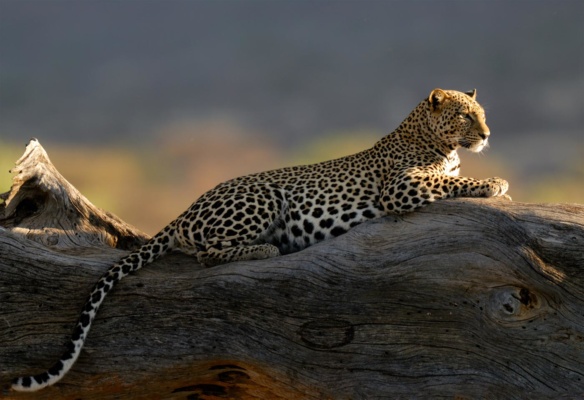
x=43 y=206
x=467 y=298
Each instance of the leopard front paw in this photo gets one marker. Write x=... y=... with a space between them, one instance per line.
x=496 y=187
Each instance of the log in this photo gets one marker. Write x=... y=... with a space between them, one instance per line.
x=465 y=299
x=43 y=206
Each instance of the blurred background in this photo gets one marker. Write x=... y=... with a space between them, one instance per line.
x=144 y=105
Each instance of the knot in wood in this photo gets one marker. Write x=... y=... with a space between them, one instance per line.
x=327 y=333
x=511 y=303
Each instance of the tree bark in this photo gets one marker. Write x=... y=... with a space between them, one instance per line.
x=466 y=299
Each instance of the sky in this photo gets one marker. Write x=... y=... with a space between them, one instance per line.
x=123 y=72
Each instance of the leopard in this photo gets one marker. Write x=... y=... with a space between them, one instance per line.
x=274 y=213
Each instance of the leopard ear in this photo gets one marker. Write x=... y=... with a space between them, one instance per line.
x=472 y=94
x=436 y=99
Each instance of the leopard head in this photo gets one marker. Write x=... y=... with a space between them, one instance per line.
x=457 y=120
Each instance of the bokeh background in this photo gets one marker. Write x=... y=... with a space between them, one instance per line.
x=144 y=105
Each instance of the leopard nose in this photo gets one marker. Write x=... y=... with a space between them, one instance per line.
x=484 y=135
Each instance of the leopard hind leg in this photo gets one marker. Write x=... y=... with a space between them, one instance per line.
x=216 y=255
x=246 y=235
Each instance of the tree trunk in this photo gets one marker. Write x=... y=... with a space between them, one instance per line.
x=466 y=299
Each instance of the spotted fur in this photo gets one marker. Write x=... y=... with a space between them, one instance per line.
x=285 y=210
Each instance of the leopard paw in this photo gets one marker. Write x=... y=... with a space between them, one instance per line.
x=496 y=187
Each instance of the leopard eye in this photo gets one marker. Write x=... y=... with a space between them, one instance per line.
x=466 y=116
